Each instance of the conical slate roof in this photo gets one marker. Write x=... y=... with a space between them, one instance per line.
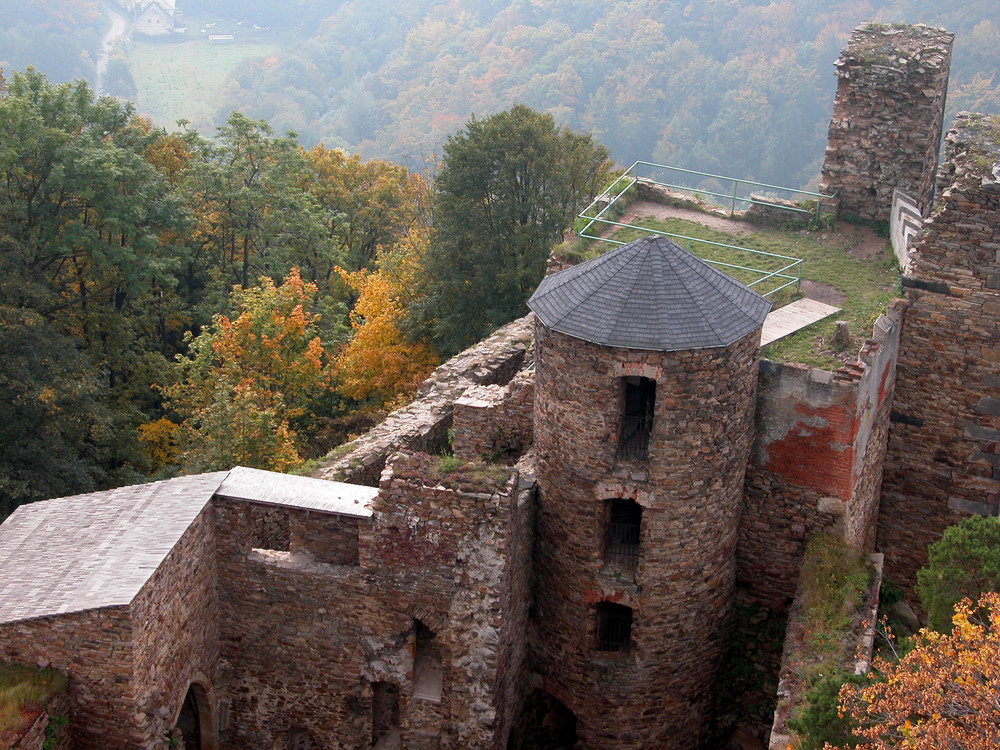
x=649 y=294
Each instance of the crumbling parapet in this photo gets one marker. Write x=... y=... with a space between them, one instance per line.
x=494 y=422
x=423 y=424
x=888 y=117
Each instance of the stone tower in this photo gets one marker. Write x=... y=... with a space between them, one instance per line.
x=646 y=376
x=887 y=119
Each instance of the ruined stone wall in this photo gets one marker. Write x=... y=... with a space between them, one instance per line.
x=515 y=604
x=35 y=737
x=423 y=424
x=493 y=421
x=654 y=693
x=817 y=460
x=94 y=649
x=175 y=635
x=327 y=538
x=888 y=115
x=292 y=632
x=308 y=632
x=458 y=547
x=944 y=445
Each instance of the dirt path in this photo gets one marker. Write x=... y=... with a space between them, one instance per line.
x=119 y=25
x=641 y=209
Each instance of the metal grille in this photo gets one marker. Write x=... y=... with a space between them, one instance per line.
x=622 y=546
x=634 y=444
x=614 y=627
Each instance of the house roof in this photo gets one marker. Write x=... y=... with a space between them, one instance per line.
x=98 y=550
x=649 y=294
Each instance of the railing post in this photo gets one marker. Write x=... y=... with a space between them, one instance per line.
x=736 y=187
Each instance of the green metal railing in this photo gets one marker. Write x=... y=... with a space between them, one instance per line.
x=788 y=273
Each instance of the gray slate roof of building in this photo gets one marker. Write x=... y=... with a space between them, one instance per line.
x=649 y=294
x=98 y=550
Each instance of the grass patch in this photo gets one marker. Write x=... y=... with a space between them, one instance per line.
x=834 y=580
x=185 y=81
x=469 y=476
x=868 y=284
x=23 y=691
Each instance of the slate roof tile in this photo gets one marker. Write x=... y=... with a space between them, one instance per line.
x=649 y=294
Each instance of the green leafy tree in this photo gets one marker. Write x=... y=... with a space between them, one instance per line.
x=508 y=188
x=963 y=563
x=82 y=258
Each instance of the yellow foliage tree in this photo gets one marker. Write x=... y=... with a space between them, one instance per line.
x=943 y=695
x=378 y=364
x=249 y=379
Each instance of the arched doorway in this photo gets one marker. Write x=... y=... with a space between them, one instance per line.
x=546 y=724
x=194 y=729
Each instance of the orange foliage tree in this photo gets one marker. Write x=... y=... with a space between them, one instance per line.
x=943 y=695
x=379 y=364
x=249 y=380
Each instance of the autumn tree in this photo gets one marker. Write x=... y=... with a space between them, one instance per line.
x=943 y=695
x=379 y=365
x=363 y=205
x=248 y=383
x=509 y=186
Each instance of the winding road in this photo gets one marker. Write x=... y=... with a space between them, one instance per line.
x=119 y=25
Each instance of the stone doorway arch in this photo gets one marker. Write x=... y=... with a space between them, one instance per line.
x=194 y=728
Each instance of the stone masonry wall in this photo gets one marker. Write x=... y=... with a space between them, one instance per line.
x=307 y=633
x=944 y=445
x=817 y=460
x=888 y=115
x=456 y=543
x=175 y=634
x=655 y=692
x=94 y=649
x=292 y=636
x=423 y=424
x=494 y=421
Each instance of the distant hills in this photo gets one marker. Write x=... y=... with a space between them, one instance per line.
x=740 y=87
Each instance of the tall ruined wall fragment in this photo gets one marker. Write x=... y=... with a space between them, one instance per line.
x=887 y=120
x=944 y=447
x=817 y=461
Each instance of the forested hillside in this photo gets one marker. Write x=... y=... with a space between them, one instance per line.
x=172 y=303
x=742 y=87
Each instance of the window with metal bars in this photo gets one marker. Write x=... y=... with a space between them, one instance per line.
x=614 y=627
x=621 y=540
x=637 y=418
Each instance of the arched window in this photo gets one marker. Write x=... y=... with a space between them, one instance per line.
x=194 y=729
